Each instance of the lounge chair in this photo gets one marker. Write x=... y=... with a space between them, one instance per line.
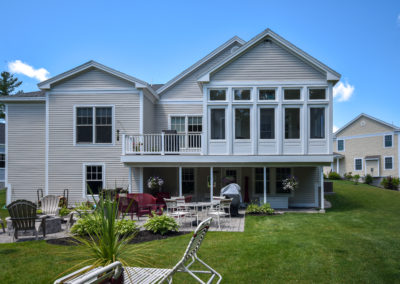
x=23 y=217
x=149 y=275
x=50 y=205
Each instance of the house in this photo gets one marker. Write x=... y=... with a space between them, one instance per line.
x=252 y=112
x=2 y=154
x=367 y=145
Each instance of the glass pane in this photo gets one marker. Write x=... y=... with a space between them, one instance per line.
x=217 y=95
x=317 y=94
x=103 y=134
x=84 y=134
x=388 y=141
x=292 y=94
x=194 y=124
x=94 y=187
x=292 y=123
x=388 y=163
x=84 y=116
x=267 y=123
x=242 y=95
x=317 y=123
x=178 y=124
x=217 y=123
x=358 y=164
x=242 y=123
x=340 y=145
x=266 y=94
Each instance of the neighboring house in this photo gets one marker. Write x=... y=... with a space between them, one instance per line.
x=366 y=145
x=256 y=112
x=2 y=154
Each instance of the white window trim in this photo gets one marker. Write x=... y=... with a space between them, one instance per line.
x=318 y=100
x=94 y=118
x=250 y=107
x=242 y=101
x=218 y=101
x=186 y=116
x=384 y=163
x=337 y=145
x=275 y=107
x=325 y=120
x=300 y=88
x=84 y=165
x=267 y=88
x=362 y=164
x=301 y=118
x=384 y=144
x=225 y=107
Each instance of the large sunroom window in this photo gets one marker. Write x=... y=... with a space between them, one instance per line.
x=242 y=123
x=317 y=123
x=292 y=123
x=267 y=123
x=218 y=124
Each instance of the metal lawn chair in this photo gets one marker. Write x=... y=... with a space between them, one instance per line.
x=223 y=209
x=23 y=217
x=50 y=205
x=141 y=275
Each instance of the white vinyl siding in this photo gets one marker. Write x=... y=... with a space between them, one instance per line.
x=267 y=61
x=26 y=150
x=163 y=112
x=188 y=87
x=65 y=160
x=148 y=116
x=307 y=193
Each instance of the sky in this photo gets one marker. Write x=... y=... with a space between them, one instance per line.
x=156 y=40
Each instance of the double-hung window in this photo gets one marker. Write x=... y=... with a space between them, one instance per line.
x=388 y=163
x=358 y=164
x=292 y=123
x=267 y=123
x=259 y=180
x=317 y=123
x=94 y=125
x=94 y=179
x=388 y=141
x=340 y=145
x=188 y=181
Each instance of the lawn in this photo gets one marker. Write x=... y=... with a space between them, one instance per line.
x=356 y=241
x=3 y=212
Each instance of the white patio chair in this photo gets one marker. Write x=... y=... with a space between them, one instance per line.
x=174 y=210
x=50 y=205
x=223 y=209
x=150 y=275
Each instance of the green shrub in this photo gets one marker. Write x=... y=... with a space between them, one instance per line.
x=356 y=179
x=263 y=209
x=161 y=224
x=368 y=179
x=90 y=224
x=348 y=176
x=64 y=211
x=390 y=182
x=83 y=206
x=334 y=176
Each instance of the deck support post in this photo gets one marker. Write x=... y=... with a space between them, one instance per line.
x=211 y=183
x=141 y=180
x=322 y=188
x=337 y=165
x=265 y=185
x=130 y=180
x=180 y=181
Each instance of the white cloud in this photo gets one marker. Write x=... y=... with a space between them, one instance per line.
x=335 y=128
x=343 y=92
x=20 y=67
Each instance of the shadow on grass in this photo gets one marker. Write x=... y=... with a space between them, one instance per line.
x=341 y=203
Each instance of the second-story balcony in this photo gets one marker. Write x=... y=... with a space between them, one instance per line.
x=162 y=143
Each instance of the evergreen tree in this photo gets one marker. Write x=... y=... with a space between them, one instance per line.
x=8 y=83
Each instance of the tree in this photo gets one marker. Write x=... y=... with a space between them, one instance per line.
x=8 y=83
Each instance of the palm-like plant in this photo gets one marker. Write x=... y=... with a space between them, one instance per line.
x=106 y=245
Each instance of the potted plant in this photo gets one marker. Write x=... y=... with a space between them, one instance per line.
x=290 y=184
x=155 y=183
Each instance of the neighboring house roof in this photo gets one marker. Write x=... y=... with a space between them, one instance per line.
x=199 y=63
x=338 y=155
x=367 y=116
x=93 y=64
x=30 y=96
x=2 y=133
x=331 y=74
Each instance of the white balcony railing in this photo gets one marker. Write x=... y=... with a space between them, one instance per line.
x=186 y=143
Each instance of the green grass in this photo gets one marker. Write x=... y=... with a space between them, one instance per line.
x=357 y=241
x=3 y=212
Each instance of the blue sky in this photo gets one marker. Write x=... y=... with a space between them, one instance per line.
x=156 y=40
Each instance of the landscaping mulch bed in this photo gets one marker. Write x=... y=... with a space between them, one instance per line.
x=141 y=237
